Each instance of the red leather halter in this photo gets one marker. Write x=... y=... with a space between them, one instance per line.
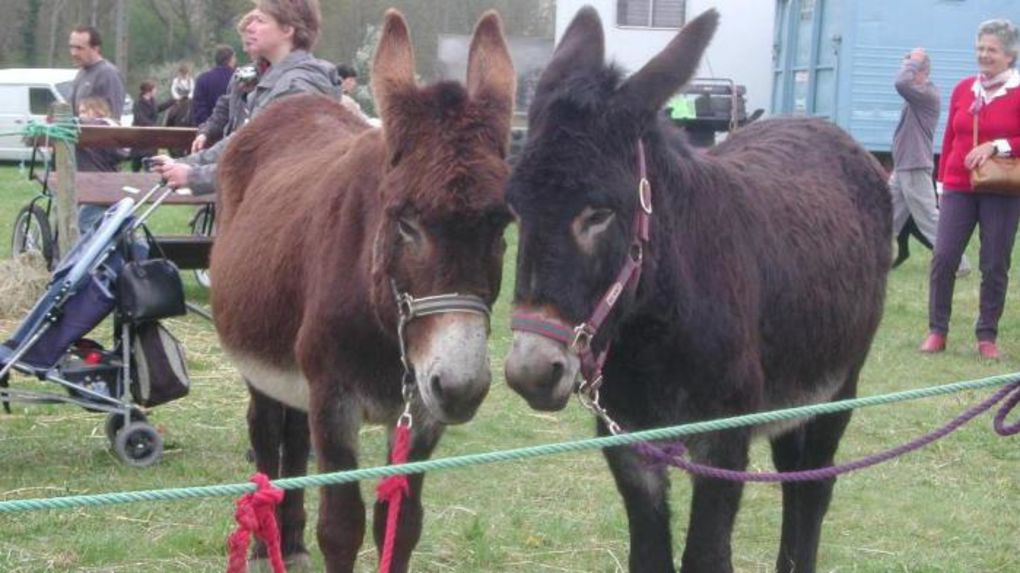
x=578 y=339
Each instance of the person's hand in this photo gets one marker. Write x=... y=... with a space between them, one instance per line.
x=979 y=155
x=173 y=172
x=199 y=143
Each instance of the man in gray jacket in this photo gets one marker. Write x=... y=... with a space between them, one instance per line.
x=96 y=77
x=913 y=191
x=280 y=38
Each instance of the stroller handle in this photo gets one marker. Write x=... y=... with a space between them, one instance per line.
x=154 y=204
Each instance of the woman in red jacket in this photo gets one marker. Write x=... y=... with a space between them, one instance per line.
x=993 y=98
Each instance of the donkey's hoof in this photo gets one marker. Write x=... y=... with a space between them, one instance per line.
x=296 y=563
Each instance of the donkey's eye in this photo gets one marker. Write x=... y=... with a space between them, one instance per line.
x=408 y=231
x=599 y=219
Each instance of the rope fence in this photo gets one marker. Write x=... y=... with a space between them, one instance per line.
x=64 y=129
x=233 y=490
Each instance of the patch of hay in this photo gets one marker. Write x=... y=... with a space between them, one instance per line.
x=23 y=280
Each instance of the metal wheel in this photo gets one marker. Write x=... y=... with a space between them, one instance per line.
x=138 y=444
x=115 y=421
x=203 y=225
x=32 y=233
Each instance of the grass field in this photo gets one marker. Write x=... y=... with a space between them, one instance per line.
x=953 y=507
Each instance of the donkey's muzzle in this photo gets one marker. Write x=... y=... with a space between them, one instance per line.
x=541 y=370
x=450 y=355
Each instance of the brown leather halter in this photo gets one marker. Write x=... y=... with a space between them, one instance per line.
x=578 y=339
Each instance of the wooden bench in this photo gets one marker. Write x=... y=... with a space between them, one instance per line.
x=106 y=188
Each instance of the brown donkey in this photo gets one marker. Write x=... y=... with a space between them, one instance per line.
x=344 y=250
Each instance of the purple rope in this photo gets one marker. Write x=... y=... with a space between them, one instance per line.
x=1001 y=427
x=672 y=454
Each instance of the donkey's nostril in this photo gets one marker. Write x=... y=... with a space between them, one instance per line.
x=555 y=373
x=437 y=386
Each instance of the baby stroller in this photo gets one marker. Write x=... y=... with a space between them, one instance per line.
x=108 y=270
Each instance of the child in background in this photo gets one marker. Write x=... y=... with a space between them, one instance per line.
x=95 y=111
x=183 y=83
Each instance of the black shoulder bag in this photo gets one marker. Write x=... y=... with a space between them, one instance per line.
x=151 y=288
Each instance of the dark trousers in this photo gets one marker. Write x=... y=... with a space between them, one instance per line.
x=996 y=216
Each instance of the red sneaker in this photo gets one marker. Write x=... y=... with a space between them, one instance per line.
x=934 y=343
x=988 y=350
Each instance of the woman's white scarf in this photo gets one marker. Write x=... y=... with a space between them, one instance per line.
x=988 y=89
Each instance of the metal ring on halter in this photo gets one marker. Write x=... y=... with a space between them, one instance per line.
x=645 y=195
x=406 y=419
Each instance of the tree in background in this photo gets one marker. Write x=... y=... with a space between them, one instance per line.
x=161 y=33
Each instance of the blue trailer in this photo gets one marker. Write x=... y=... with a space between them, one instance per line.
x=837 y=59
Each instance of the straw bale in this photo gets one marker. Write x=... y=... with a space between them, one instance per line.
x=23 y=280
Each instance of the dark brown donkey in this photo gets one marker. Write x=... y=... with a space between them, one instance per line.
x=325 y=224
x=748 y=278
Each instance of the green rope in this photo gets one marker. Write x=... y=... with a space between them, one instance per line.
x=505 y=455
x=62 y=130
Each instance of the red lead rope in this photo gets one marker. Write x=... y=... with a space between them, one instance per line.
x=392 y=491
x=256 y=513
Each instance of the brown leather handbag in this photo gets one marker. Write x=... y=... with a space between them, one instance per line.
x=997 y=174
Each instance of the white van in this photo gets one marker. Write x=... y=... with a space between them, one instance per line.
x=27 y=94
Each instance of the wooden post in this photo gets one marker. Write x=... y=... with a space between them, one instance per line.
x=66 y=206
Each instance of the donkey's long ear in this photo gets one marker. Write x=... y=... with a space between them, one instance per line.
x=582 y=50
x=491 y=79
x=663 y=75
x=392 y=72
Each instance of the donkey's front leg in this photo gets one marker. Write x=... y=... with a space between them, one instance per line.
x=424 y=437
x=644 y=489
x=714 y=502
x=334 y=427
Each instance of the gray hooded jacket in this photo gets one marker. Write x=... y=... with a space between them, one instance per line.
x=298 y=73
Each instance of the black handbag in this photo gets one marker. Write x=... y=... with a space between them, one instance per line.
x=150 y=289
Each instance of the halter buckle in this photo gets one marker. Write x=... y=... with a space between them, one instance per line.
x=583 y=334
x=636 y=252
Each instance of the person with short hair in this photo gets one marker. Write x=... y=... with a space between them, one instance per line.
x=348 y=78
x=146 y=114
x=913 y=191
x=348 y=87
x=97 y=77
x=281 y=32
x=992 y=99
x=212 y=84
x=229 y=113
x=179 y=115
